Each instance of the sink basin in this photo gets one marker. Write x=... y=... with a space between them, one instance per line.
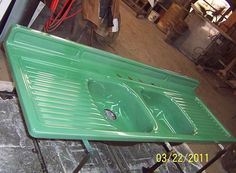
x=121 y=106
x=70 y=91
x=167 y=113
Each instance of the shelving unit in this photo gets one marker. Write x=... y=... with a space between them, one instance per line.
x=138 y=6
x=143 y=8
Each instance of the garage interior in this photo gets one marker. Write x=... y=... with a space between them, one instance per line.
x=180 y=36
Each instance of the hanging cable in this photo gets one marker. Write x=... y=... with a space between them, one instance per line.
x=55 y=21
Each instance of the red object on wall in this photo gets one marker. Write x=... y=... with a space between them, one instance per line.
x=54 y=5
x=56 y=20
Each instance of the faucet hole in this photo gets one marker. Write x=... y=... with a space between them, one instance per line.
x=119 y=75
x=140 y=80
x=130 y=78
x=110 y=115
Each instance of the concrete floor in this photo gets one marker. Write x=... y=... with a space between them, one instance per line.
x=140 y=40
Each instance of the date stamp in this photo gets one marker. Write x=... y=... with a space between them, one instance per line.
x=180 y=158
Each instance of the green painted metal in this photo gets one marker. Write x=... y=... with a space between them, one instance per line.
x=71 y=91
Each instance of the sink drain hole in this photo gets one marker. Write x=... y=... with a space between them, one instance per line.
x=110 y=115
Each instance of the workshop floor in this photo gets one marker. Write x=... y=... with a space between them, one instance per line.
x=141 y=40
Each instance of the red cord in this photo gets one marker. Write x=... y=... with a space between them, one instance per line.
x=54 y=22
x=54 y=5
x=65 y=13
x=74 y=14
x=62 y=9
x=58 y=23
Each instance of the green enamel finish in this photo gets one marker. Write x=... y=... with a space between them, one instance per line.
x=71 y=91
x=124 y=103
x=180 y=123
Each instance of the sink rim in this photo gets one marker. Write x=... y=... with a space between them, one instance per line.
x=43 y=55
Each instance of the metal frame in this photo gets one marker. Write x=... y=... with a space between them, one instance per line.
x=37 y=150
x=88 y=153
x=214 y=159
x=222 y=15
x=169 y=150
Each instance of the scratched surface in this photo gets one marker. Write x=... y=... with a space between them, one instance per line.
x=15 y=147
x=63 y=156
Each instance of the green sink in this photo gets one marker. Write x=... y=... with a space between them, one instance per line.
x=121 y=106
x=70 y=91
x=167 y=113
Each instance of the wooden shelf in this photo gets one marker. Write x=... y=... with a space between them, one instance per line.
x=138 y=6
